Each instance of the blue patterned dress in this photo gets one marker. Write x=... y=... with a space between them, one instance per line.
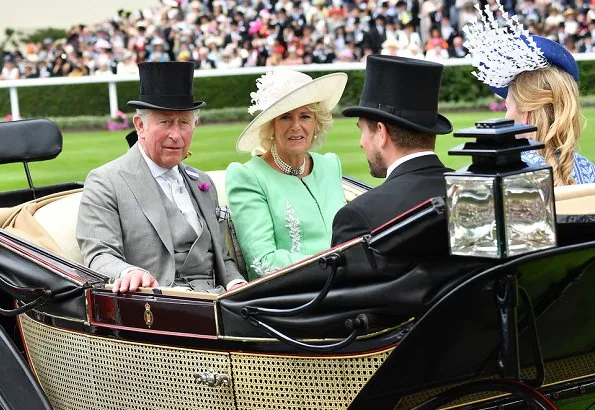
x=583 y=171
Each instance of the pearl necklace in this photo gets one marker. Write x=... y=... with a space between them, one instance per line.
x=285 y=167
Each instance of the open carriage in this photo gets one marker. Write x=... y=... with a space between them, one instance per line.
x=371 y=324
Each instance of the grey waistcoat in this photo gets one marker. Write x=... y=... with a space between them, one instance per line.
x=193 y=255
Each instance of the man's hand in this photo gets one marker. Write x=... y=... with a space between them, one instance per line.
x=133 y=280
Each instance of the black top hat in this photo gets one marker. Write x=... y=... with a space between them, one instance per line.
x=404 y=92
x=166 y=86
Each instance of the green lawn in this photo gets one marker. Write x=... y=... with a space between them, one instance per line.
x=214 y=148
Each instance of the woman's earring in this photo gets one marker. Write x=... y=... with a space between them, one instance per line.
x=315 y=137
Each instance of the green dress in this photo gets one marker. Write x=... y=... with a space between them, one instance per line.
x=280 y=219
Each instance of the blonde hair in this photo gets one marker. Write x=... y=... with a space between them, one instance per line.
x=550 y=97
x=324 y=122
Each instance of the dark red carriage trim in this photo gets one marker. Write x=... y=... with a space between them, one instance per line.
x=44 y=261
x=153 y=314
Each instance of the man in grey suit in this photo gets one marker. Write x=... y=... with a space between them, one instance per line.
x=146 y=219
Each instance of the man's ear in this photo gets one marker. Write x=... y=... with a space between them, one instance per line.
x=138 y=124
x=382 y=133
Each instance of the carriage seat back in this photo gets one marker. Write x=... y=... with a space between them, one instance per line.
x=58 y=218
x=29 y=140
x=575 y=199
x=218 y=178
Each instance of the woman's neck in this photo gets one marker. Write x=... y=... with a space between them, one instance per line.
x=298 y=165
x=293 y=160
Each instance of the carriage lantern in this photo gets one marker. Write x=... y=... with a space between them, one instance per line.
x=498 y=206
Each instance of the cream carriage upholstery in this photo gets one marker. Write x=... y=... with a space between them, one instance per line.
x=58 y=218
x=575 y=199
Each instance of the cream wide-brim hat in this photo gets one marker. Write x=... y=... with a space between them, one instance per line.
x=301 y=90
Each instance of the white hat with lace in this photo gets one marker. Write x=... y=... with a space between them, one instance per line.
x=283 y=90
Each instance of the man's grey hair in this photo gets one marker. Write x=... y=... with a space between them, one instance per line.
x=144 y=114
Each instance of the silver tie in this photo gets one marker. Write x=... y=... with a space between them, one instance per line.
x=181 y=198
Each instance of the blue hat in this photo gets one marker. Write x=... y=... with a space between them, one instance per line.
x=555 y=54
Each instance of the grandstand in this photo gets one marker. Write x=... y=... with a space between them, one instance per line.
x=247 y=33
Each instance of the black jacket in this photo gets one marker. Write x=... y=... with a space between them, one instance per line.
x=411 y=183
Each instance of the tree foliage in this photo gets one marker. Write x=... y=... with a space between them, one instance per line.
x=42 y=33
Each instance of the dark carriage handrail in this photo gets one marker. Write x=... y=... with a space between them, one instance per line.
x=357 y=183
x=356 y=323
x=49 y=257
x=419 y=353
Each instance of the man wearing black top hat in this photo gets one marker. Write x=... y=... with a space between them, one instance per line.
x=145 y=219
x=399 y=121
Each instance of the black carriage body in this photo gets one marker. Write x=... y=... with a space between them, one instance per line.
x=373 y=323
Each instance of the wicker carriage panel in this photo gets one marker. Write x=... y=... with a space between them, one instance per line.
x=79 y=371
x=282 y=382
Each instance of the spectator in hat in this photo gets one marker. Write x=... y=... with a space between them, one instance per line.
x=390 y=47
x=458 y=50
x=292 y=57
x=276 y=57
x=376 y=35
x=409 y=38
x=538 y=77
x=437 y=52
x=9 y=71
x=30 y=71
x=398 y=120
x=158 y=53
x=128 y=64
x=283 y=202
x=146 y=219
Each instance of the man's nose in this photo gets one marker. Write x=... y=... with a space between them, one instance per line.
x=175 y=131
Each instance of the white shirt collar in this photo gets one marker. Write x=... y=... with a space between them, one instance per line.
x=155 y=169
x=405 y=158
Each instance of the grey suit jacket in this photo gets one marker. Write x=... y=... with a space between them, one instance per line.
x=122 y=222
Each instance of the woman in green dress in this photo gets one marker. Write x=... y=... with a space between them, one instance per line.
x=283 y=202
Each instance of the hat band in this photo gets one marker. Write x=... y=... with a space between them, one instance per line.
x=422 y=117
x=168 y=101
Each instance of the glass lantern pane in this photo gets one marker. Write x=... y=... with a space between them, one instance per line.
x=472 y=216
x=529 y=212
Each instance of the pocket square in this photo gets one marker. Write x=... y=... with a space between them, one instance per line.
x=222 y=213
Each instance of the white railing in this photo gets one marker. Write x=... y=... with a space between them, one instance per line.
x=111 y=80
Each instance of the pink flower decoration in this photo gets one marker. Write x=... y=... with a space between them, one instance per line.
x=204 y=186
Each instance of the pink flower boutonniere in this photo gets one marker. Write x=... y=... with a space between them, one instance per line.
x=204 y=186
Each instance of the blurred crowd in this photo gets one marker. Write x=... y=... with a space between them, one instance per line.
x=246 y=33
